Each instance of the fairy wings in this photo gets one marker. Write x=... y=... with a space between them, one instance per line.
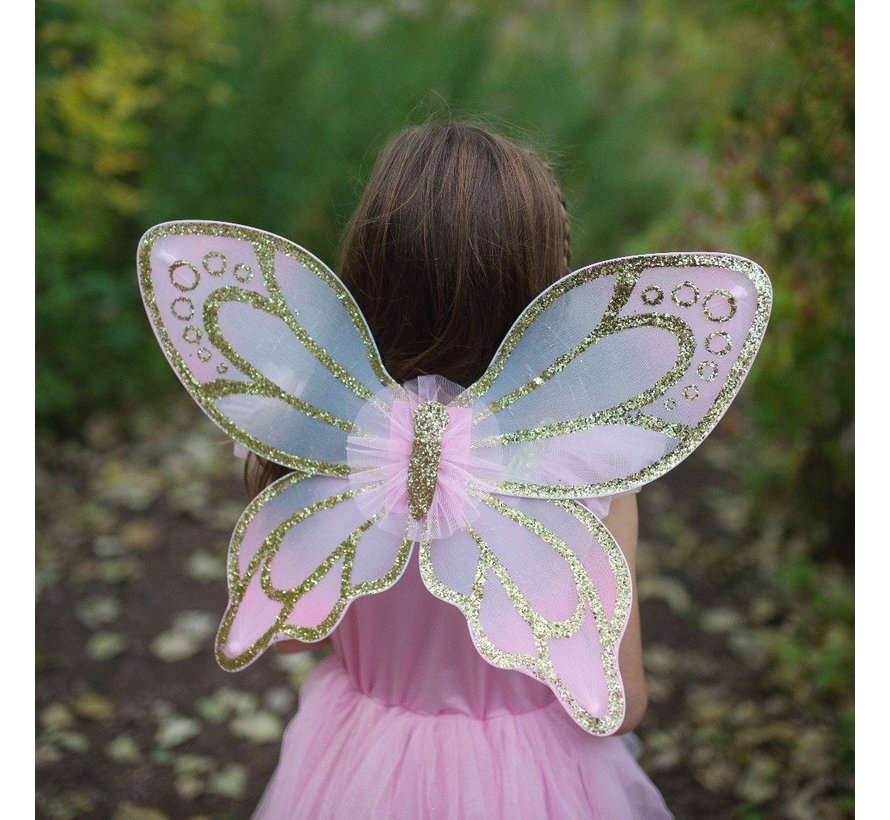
x=608 y=379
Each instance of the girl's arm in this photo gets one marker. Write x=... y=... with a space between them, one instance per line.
x=623 y=524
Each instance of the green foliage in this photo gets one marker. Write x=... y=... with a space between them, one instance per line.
x=102 y=75
x=816 y=646
x=271 y=114
x=781 y=192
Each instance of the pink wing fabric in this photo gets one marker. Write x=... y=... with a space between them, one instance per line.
x=264 y=336
x=302 y=552
x=608 y=379
x=546 y=591
x=618 y=371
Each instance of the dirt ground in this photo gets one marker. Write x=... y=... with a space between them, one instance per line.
x=135 y=720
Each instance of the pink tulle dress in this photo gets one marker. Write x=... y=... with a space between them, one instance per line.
x=406 y=720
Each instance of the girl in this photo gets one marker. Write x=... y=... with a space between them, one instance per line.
x=457 y=231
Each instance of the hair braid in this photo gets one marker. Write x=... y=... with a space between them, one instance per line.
x=567 y=227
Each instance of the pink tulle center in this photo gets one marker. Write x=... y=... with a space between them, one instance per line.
x=380 y=457
x=454 y=458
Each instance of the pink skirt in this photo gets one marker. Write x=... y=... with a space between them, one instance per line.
x=346 y=755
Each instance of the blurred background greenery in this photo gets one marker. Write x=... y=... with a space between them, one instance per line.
x=672 y=125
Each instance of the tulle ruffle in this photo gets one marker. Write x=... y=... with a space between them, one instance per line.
x=347 y=755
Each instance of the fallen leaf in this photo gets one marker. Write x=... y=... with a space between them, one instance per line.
x=198 y=624
x=123 y=749
x=45 y=754
x=176 y=730
x=132 y=486
x=280 y=699
x=720 y=620
x=97 y=611
x=259 y=727
x=56 y=716
x=140 y=535
x=188 y=787
x=71 y=741
x=212 y=710
x=204 y=566
x=236 y=700
x=69 y=805
x=103 y=646
x=119 y=570
x=229 y=782
x=297 y=665
x=670 y=590
x=132 y=811
x=93 y=706
x=193 y=764
x=175 y=646
x=759 y=783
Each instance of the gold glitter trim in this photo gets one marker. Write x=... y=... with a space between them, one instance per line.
x=242 y=273
x=215 y=263
x=652 y=296
x=729 y=298
x=430 y=423
x=171 y=271
x=707 y=371
x=689 y=301
x=288 y=598
x=545 y=630
x=674 y=324
x=265 y=246
x=182 y=308
x=720 y=351
x=627 y=273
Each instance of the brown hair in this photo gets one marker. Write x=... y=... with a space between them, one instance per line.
x=458 y=229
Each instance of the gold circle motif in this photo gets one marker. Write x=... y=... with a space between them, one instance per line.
x=242 y=272
x=690 y=392
x=707 y=371
x=179 y=265
x=670 y=404
x=718 y=351
x=215 y=263
x=192 y=335
x=653 y=295
x=690 y=298
x=204 y=354
x=730 y=299
x=182 y=308
x=222 y=367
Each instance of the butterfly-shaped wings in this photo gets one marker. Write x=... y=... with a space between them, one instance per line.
x=607 y=380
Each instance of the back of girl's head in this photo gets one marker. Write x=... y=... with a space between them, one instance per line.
x=457 y=231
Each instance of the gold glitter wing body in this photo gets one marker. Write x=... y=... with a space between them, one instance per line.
x=430 y=422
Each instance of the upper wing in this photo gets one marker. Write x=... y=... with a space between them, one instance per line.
x=617 y=372
x=264 y=336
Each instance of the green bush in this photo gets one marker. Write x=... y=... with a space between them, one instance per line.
x=271 y=114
